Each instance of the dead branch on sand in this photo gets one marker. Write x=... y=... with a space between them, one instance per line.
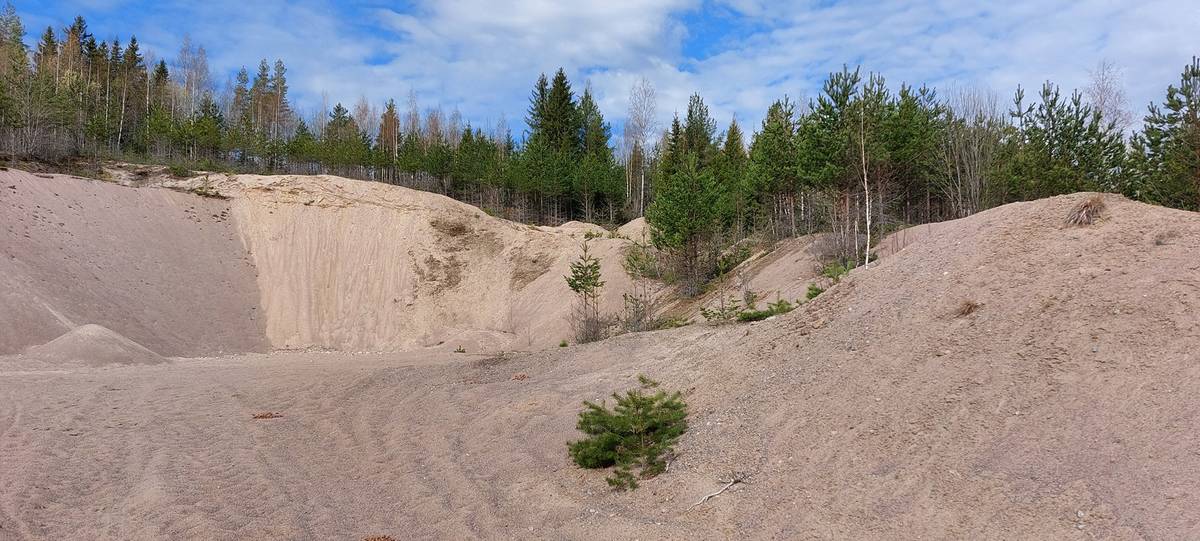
x=734 y=478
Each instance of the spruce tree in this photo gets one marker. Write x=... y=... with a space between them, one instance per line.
x=537 y=106
x=734 y=191
x=560 y=123
x=597 y=174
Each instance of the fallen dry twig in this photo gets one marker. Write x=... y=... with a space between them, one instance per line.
x=734 y=478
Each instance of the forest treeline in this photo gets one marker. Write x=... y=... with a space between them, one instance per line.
x=860 y=158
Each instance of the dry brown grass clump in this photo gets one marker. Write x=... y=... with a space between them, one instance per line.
x=1086 y=212
x=967 y=308
x=380 y=538
x=267 y=415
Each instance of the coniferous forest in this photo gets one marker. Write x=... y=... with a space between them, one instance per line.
x=861 y=158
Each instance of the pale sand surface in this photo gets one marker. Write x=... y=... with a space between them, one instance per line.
x=1064 y=406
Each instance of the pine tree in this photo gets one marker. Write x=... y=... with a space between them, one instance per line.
x=14 y=70
x=910 y=135
x=241 y=116
x=280 y=111
x=554 y=143
x=638 y=432
x=412 y=152
x=159 y=122
x=303 y=146
x=1165 y=157
x=774 y=167
x=1060 y=146
x=208 y=129
x=585 y=280
x=389 y=132
x=683 y=218
x=46 y=54
x=342 y=142
x=699 y=129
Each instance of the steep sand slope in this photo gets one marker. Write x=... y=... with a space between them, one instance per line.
x=1063 y=407
x=782 y=272
x=363 y=266
x=163 y=268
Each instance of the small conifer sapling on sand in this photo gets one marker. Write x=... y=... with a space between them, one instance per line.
x=638 y=432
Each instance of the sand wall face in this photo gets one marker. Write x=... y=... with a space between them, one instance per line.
x=164 y=268
x=293 y=262
x=361 y=266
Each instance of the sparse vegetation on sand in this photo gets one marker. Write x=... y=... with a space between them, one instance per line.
x=782 y=306
x=205 y=190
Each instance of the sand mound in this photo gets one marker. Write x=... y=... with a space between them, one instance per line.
x=575 y=226
x=637 y=230
x=95 y=345
x=1060 y=403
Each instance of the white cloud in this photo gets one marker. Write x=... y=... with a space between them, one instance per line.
x=483 y=56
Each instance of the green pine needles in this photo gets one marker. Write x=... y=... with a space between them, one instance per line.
x=637 y=433
x=586 y=282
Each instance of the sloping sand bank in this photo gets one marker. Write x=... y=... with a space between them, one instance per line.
x=166 y=269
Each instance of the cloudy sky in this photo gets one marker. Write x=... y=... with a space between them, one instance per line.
x=483 y=56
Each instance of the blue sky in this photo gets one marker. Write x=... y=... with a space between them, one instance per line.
x=482 y=56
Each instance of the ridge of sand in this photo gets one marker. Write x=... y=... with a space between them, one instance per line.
x=1062 y=406
x=96 y=346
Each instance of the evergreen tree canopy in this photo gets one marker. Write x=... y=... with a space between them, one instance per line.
x=1165 y=156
